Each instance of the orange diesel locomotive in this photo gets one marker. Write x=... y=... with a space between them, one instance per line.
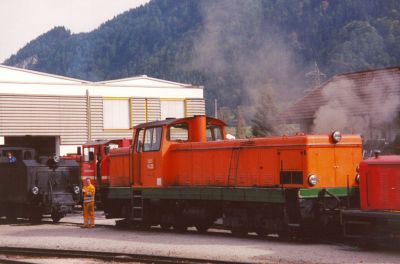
x=182 y=172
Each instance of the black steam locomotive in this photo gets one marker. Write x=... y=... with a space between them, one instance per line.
x=31 y=186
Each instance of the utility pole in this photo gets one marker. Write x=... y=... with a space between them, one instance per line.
x=316 y=75
x=216 y=108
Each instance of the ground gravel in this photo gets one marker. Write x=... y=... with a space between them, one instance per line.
x=217 y=245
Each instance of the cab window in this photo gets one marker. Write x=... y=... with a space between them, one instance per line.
x=214 y=133
x=139 y=140
x=88 y=154
x=149 y=139
x=178 y=132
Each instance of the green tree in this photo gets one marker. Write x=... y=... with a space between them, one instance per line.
x=358 y=46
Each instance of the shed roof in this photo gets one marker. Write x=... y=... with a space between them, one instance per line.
x=13 y=74
x=20 y=81
x=146 y=81
x=10 y=74
x=361 y=88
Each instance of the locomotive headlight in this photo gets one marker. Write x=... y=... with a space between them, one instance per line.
x=357 y=178
x=312 y=180
x=56 y=159
x=77 y=189
x=35 y=190
x=336 y=136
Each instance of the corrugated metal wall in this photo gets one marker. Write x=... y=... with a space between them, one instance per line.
x=195 y=107
x=67 y=116
x=153 y=109
x=63 y=116
x=138 y=111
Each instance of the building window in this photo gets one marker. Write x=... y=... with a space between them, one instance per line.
x=172 y=109
x=116 y=114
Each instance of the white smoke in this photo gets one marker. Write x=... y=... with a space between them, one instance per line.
x=358 y=107
x=236 y=41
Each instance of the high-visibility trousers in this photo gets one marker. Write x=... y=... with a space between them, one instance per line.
x=88 y=214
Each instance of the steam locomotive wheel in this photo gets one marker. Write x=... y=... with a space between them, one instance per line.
x=11 y=218
x=180 y=227
x=165 y=226
x=35 y=218
x=261 y=232
x=202 y=227
x=56 y=216
x=239 y=231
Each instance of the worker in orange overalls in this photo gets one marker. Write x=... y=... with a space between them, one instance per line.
x=88 y=204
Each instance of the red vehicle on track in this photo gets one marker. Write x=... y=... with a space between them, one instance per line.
x=93 y=158
x=379 y=213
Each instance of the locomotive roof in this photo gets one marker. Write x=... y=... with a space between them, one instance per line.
x=384 y=159
x=102 y=142
x=170 y=121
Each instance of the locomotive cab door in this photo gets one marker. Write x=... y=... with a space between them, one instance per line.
x=147 y=158
x=88 y=166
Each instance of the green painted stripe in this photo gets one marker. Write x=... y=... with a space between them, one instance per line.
x=119 y=193
x=245 y=194
x=338 y=191
x=274 y=195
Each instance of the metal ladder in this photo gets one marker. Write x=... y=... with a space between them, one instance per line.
x=137 y=206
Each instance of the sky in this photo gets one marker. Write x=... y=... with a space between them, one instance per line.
x=23 y=20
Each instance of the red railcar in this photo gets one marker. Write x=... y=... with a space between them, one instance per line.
x=93 y=158
x=379 y=213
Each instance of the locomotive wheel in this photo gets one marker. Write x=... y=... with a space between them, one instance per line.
x=180 y=227
x=11 y=218
x=11 y=215
x=284 y=236
x=35 y=218
x=261 y=232
x=165 y=226
x=202 y=227
x=239 y=231
x=56 y=217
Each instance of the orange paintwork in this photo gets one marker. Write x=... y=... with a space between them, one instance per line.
x=247 y=162
x=259 y=161
x=119 y=167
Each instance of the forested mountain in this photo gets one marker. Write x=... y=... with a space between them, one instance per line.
x=234 y=48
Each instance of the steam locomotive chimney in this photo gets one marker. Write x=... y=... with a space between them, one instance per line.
x=197 y=129
x=377 y=153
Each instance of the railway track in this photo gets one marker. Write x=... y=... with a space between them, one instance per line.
x=22 y=255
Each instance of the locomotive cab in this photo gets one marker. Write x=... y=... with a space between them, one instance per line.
x=152 y=165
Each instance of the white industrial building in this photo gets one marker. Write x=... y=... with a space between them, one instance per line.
x=55 y=114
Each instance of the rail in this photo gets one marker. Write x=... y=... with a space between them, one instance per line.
x=105 y=256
